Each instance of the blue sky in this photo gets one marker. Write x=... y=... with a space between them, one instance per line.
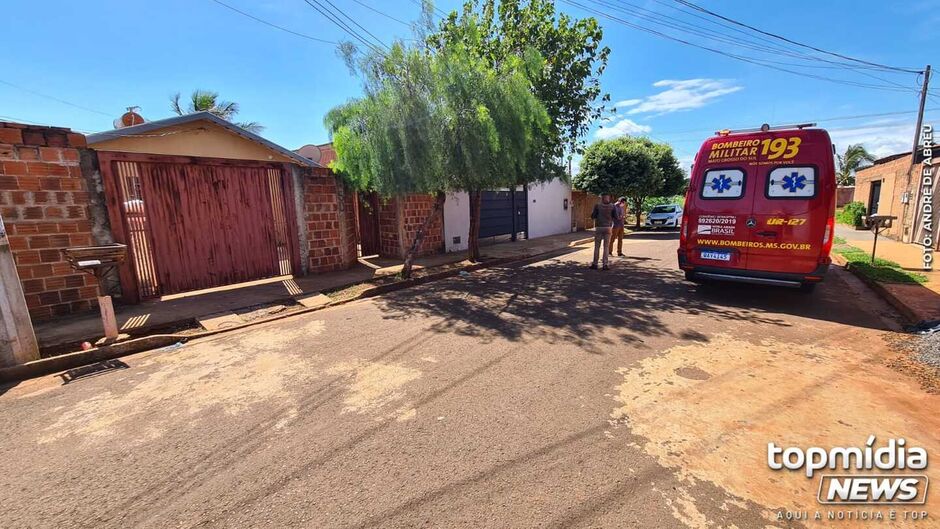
x=105 y=55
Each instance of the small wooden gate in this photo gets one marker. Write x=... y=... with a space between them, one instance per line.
x=368 y=224
x=196 y=223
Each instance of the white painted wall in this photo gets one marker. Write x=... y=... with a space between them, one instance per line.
x=547 y=214
x=456 y=221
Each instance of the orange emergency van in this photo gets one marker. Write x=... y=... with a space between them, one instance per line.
x=760 y=207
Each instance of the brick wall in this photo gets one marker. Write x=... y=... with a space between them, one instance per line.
x=329 y=215
x=389 y=228
x=414 y=209
x=844 y=195
x=893 y=177
x=44 y=202
x=399 y=220
x=350 y=237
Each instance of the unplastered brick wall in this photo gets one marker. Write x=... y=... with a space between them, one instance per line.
x=350 y=240
x=328 y=213
x=399 y=220
x=44 y=203
x=389 y=228
x=893 y=178
x=414 y=211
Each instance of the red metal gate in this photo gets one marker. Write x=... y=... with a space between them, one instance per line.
x=195 y=223
x=368 y=224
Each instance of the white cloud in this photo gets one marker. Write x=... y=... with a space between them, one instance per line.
x=880 y=138
x=685 y=162
x=621 y=128
x=627 y=103
x=681 y=95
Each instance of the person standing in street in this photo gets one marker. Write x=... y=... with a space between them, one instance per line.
x=616 y=232
x=603 y=215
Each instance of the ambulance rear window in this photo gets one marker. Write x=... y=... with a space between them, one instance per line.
x=791 y=182
x=723 y=184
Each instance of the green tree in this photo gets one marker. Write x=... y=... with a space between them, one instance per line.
x=636 y=168
x=207 y=101
x=853 y=159
x=436 y=122
x=568 y=83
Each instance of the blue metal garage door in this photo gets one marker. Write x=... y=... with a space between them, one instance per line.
x=504 y=212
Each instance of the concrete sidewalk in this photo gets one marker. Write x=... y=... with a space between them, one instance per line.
x=919 y=302
x=245 y=301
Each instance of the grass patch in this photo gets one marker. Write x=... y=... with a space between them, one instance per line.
x=882 y=270
x=839 y=240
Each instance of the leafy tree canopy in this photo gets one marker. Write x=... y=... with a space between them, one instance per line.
x=208 y=101
x=433 y=121
x=636 y=168
x=568 y=81
x=438 y=121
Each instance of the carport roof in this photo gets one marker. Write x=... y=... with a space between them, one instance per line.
x=198 y=116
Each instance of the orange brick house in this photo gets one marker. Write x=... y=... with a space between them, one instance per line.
x=198 y=201
x=883 y=188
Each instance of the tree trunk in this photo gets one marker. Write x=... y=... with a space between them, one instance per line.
x=439 y=199
x=637 y=211
x=473 y=241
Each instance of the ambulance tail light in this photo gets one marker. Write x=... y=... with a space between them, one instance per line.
x=683 y=231
x=828 y=237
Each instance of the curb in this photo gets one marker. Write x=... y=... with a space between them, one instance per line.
x=54 y=364
x=909 y=314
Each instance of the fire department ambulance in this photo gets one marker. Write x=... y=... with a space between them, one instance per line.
x=760 y=207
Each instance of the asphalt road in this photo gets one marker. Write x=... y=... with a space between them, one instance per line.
x=538 y=395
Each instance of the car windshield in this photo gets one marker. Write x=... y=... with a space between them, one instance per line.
x=664 y=209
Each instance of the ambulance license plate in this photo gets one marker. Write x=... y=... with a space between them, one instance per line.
x=715 y=255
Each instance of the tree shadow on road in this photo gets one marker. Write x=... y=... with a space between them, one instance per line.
x=561 y=300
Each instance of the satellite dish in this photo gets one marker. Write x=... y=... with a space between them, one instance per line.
x=311 y=152
x=129 y=118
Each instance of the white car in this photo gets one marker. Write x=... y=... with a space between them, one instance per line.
x=665 y=216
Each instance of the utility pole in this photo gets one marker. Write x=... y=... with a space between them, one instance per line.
x=920 y=113
x=17 y=340
x=910 y=225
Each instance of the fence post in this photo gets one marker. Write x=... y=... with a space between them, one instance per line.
x=17 y=340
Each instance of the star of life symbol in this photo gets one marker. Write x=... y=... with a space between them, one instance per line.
x=721 y=183
x=793 y=182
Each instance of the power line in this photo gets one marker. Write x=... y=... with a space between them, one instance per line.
x=743 y=58
x=765 y=45
x=53 y=98
x=351 y=19
x=813 y=120
x=719 y=23
x=762 y=45
x=273 y=25
x=384 y=14
x=785 y=39
x=684 y=27
x=323 y=10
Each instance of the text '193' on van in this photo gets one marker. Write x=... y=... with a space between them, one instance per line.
x=760 y=207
